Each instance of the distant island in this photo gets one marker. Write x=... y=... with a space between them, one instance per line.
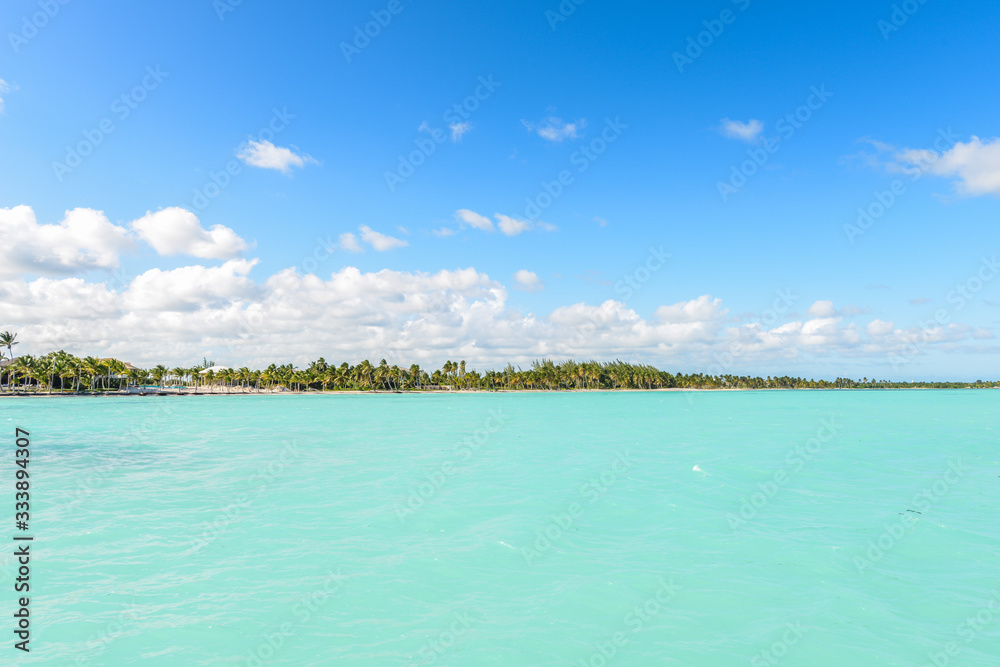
x=63 y=373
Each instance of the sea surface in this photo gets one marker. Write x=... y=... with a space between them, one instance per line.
x=842 y=528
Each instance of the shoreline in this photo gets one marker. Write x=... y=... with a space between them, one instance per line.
x=442 y=392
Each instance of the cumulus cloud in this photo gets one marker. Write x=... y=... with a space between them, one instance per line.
x=879 y=328
x=554 y=129
x=527 y=281
x=702 y=309
x=512 y=226
x=822 y=309
x=349 y=242
x=827 y=309
x=379 y=241
x=191 y=288
x=83 y=240
x=749 y=131
x=177 y=231
x=474 y=220
x=175 y=316
x=266 y=155
x=975 y=165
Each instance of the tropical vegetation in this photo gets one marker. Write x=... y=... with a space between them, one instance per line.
x=61 y=372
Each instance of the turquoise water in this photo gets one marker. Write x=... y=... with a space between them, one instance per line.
x=664 y=528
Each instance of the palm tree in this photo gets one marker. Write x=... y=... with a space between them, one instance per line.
x=115 y=368
x=180 y=374
x=158 y=373
x=91 y=367
x=9 y=340
x=32 y=369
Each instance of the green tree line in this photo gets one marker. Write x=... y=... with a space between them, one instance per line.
x=65 y=373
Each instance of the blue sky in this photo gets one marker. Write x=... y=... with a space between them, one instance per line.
x=556 y=86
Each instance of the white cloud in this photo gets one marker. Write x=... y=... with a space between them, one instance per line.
x=176 y=231
x=83 y=240
x=458 y=130
x=474 y=220
x=527 y=281
x=508 y=225
x=349 y=242
x=444 y=232
x=749 y=131
x=380 y=241
x=266 y=155
x=554 y=129
x=879 y=328
x=702 y=309
x=191 y=288
x=975 y=165
x=826 y=309
x=512 y=226
x=177 y=316
x=4 y=89
x=822 y=309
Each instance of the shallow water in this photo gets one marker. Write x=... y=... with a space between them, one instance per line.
x=663 y=528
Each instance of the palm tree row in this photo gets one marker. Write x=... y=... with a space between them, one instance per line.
x=63 y=372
